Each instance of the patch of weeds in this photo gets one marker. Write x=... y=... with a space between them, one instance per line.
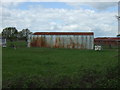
x=86 y=78
x=64 y=82
x=110 y=79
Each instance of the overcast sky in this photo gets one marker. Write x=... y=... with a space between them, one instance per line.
x=97 y=17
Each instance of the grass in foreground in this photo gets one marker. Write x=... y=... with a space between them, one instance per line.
x=66 y=68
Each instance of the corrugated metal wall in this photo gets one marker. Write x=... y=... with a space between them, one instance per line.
x=62 y=41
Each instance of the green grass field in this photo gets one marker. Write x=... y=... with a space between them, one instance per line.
x=58 y=67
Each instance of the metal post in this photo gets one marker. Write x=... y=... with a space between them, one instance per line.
x=118 y=17
x=118 y=28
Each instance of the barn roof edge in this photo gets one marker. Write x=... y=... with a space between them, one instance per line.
x=63 y=33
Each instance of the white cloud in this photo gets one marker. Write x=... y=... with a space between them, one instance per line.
x=49 y=19
x=10 y=4
x=96 y=5
x=103 y=5
x=60 y=0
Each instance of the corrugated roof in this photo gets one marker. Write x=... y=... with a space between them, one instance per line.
x=63 y=33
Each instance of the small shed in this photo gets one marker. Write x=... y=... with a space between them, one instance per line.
x=78 y=40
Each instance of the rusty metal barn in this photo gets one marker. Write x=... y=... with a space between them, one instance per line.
x=78 y=40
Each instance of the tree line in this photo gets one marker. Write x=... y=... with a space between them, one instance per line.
x=12 y=34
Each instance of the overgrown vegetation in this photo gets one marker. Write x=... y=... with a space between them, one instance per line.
x=59 y=68
x=87 y=79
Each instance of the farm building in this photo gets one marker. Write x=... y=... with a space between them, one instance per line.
x=111 y=41
x=2 y=42
x=79 y=40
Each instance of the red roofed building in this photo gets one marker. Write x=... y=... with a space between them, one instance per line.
x=111 y=41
